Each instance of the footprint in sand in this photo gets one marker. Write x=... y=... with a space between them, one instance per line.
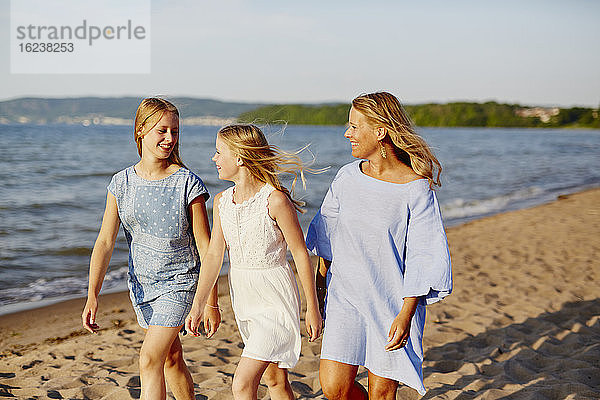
x=134 y=381
x=301 y=388
x=54 y=394
x=223 y=352
x=225 y=373
x=518 y=372
x=31 y=364
x=90 y=356
x=133 y=387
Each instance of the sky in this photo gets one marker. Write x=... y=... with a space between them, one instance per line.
x=528 y=52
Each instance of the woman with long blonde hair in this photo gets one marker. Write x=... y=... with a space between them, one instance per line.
x=383 y=254
x=161 y=205
x=256 y=221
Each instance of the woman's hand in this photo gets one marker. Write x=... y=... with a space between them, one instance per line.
x=192 y=321
x=211 y=320
x=88 y=316
x=314 y=323
x=399 y=332
x=400 y=329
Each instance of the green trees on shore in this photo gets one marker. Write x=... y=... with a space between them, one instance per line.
x=122 y=109
x=490 y=114
x=298 y=114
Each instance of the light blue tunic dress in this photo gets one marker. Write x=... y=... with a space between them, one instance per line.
x=163 y=260
x=386 y=242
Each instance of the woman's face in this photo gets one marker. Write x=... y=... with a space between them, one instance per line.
x=225 y=160
x=362 y=136
x=161 y=139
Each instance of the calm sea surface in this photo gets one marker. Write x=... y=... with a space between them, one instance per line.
x=53 y=188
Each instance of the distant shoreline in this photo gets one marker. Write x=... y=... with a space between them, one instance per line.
x=232 y=121
x=207 y=112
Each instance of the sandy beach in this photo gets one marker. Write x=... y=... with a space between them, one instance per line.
x=523 y=322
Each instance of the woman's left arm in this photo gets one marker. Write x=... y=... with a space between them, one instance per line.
x=201 y=229
x=283 y=212
x=427 y=271
x=400 y=330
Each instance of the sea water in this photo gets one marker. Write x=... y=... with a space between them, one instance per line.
x=53 y=182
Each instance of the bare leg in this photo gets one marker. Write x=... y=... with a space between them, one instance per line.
x=177 y=374
x=157 y=342
x=382 y=388
x=337 y=381
x=277 y=380
x=247 y=378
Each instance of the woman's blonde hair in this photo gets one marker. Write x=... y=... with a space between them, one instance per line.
x=383 y=109
x=149 y=112
x=264 y=162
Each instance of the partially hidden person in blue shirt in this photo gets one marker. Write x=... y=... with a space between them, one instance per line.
x=383 y=254
x=161 y=205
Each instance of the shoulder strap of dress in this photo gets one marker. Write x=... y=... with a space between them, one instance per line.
x=266 y=191
x=226 y=198
x=262 y=197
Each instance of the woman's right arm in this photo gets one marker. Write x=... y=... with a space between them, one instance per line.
x=321 y=281
x=101 y=254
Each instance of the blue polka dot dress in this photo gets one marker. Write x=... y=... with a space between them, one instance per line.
x=163 y=260
x=386 y=242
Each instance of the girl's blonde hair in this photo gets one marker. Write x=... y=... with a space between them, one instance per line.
x=149 y=112
x=383 y=109
x=264 y=162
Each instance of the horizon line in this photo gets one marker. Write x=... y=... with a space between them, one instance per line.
x=322 y=102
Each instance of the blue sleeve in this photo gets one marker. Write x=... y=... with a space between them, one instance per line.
x=427 y=270
x=112 y=186
x=322 y=227
x=195 y=188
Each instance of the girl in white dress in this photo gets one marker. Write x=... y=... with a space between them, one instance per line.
x=256 y=221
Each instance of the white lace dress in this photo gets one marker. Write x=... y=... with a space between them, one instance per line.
x=263 y=288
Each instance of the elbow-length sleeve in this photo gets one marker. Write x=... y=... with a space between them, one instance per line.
x=322 y=226
x=427 y=270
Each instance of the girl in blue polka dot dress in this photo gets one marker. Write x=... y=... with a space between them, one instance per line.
x=161 y=205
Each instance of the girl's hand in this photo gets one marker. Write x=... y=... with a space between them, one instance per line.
x=88 y=316
x=192 y=321
x=399 y=332
x=211 y=320
x=314 y=323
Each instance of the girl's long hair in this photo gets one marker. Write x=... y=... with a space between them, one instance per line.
x=383 y=109
x=264 y=161
x=149 y=112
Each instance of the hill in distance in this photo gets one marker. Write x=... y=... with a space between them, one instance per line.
x=110 y=110
x=195 y=111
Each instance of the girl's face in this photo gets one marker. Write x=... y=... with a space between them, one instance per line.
x=161 y=139
x=228 y=164
x=362 y=136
